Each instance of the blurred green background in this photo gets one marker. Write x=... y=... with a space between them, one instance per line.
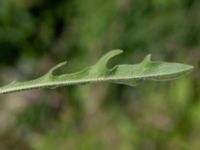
x=37 y=34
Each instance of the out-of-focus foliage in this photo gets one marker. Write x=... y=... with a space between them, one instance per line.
x=36 y=34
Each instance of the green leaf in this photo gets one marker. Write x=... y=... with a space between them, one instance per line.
x=126 y=74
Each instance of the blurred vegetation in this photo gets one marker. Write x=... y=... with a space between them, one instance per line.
x=37 y=34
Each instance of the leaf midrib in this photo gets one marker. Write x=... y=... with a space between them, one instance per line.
x=70 y=82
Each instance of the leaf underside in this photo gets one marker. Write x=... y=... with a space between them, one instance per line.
x=126 y=74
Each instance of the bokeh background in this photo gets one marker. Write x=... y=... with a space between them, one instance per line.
x=37 y=34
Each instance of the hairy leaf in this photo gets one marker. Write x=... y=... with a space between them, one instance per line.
x=127 y=74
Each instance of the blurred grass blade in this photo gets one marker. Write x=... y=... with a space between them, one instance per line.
x=126 y=74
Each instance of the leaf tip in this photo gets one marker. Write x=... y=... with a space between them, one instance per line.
x=57 y=66
x=189 y=68
x=147 y=59
x=104 y=59
x=118 y=51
